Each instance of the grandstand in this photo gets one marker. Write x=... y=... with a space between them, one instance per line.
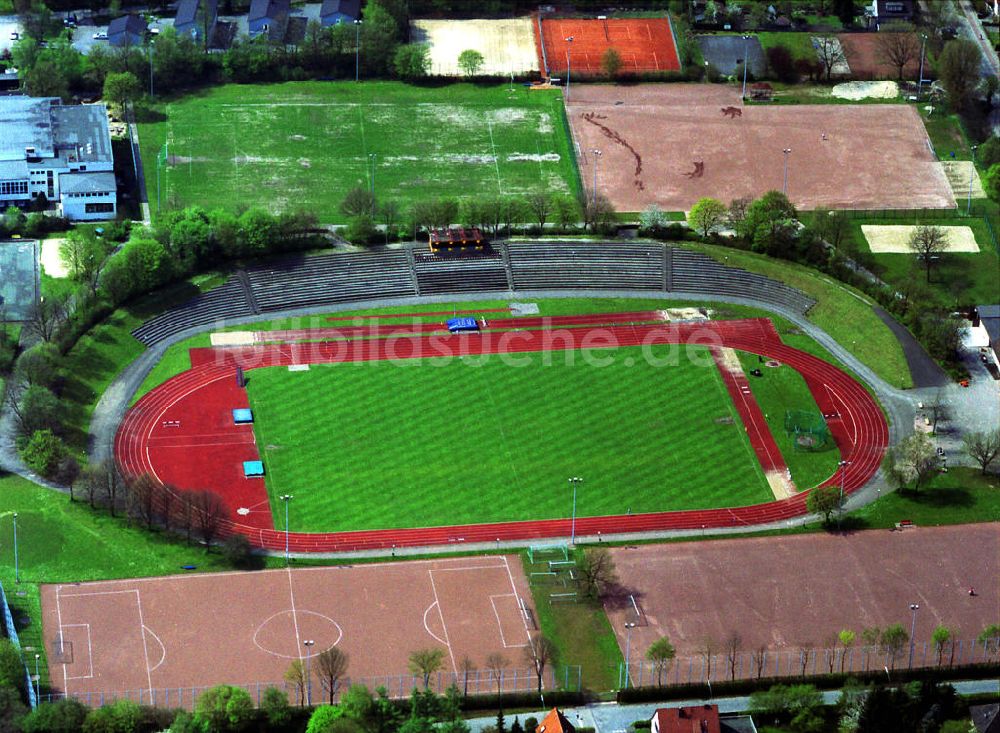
x=330 y=279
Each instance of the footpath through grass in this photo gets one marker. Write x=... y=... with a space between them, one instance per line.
x=306 y=144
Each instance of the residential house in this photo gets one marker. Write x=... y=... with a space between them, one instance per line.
x=333 y=12
x=128 y=30
x=59 y=152
x=890 y=11
x=197 y=18
x=694 y=719
x=555 y=722
x=986 y=718
x=267 y=15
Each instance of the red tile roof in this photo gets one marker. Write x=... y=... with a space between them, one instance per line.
x=555 y=722
x=695 y=719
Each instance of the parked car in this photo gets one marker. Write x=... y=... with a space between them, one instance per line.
x=102 y=36
x=15 y=36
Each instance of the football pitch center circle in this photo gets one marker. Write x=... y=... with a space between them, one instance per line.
x=164 y=424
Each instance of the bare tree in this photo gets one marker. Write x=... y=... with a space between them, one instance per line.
x=426 y=662
x=208 y=513
x=467 y=666
x=805 y=650
x=706 y=648
x=983 y=447
x=897 y=45
x=185 y=516
x=331 y=666
x=738 y=211
x=829 y=52
x=913 y=460
x=45 y=316
x=496 y=663
x=893 y=640
x=540 y=204
x=142 y=495
x=927 y=243
x=597 y=572
x=167 y=505
x=540 y=653
x=598 y=213
x=939 y=409
x=389 y=212
x=759 y=659
x=734 y=642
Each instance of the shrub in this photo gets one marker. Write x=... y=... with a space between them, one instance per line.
x=238 y=551
x=43 y=452
x=361 y=230
x=781 y=64
x=274 y=705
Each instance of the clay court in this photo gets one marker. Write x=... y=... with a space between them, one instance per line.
x=644 y=44
x=672 y=144
x=864 y=58
x=246 y=628
x=790 y=593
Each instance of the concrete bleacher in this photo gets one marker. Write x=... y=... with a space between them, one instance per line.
x=468 y=274
x=315 y=281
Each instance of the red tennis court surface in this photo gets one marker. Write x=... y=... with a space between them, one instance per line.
x=155 y=634
x=794 y=593
x=644 y=44
x=671 y=144
x=181 y=433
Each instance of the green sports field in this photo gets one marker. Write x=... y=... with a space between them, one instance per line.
x=305 y=144
x=433 y=442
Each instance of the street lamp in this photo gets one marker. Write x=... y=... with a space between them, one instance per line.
x=843 y=472
x=746 y=39
x=972 y=173
x=569 y=62
x=357 y=50
x=371 y=161
x=286 y=498
x=37 y=678
x=308 y=645
x=784 y=186
x=150 y=69
x=17 y=573
x=574 y=482
x=597 y=157
x=628 y=651
x=920 y=82
x=913 y=628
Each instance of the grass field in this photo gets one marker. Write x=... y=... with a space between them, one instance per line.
x=445 y=442
x=777 y=391
x=305 y=144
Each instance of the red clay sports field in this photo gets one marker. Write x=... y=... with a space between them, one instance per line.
x=182 y=433
x=644 y=45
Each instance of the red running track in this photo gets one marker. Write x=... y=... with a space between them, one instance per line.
x=147 y=442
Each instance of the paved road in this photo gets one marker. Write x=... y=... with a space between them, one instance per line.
x=614 y=718
x=973 y=29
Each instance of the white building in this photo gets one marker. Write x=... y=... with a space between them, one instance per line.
x=60 y=151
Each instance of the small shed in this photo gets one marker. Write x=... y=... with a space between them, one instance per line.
x=761 y=92
x=253 y=469
x=128 y=30
x=333 y=12
x=242 y=416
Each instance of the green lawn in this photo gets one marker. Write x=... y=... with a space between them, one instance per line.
x=305 y=144
x=962 y=495
x=445 y=441
x=799 y=44
x=844 y=313
x=946 y=134
x=778 y=390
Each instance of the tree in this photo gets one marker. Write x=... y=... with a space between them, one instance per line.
x=359 y=200
x=65 y=715
x=734 y=643
x=426 y=662
x=915 y=460
x=274 y=705
x=897 y=45
x=927 y=243
x=11 y=667
x=737 y=214
x=653 y=218
x=765 y=219
x=540 y=204
x=389 y=213
x=466 y=666
x=983 y=447
x=992 y=182
x=611 y=63
x=45 y=316
x=824 y=500
x=379 y=38
x=989 y=637
x=801 y=703
x=844 y=10
x=782 y=64
x=661 y=653
x=829 y=52
x=470 y=62
x=846 y=638
x=295 y=675
x=143 y=493
x=707 y=214
x=39 y=410
x=496 y=663
x=121 y=88
x=224 y=708
x=831 y=226
x=942 y=638
x=208 y=512
x=958 y=69
x=989 y=152
x=331 y=666
x=43 y=452
x=893 y=640
x=412 y=61
x=540 y=653
x=706 y=650
x=598 y=213
x=597 y=572
x=44 y=79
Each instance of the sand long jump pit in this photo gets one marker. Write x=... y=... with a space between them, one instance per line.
x=895 y=238
x=160 y=634
x=672 y=144
x=793 y=594
x=507 y=45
